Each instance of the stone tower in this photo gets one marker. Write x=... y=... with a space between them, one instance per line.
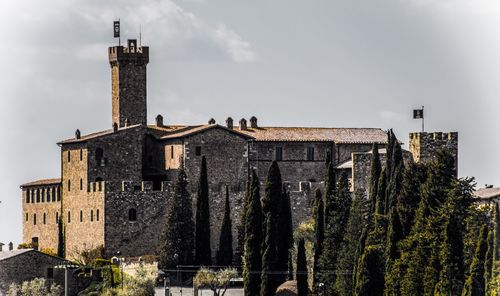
x=423 y=145
x=128 y=77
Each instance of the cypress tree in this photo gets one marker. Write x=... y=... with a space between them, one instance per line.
x=376 y=170
x=60 y=238
x=394 y=235
x=252 y=260
x=381 y=192
x=319 y=234
x=370 y=273
x=474 y=285
x=225 y=252
x=284 y=241
x=301 y=276
x=241 y=227
x=290 y=266
x=488 y=263
x=348 y=254
x=451 y=278
x=335 y=222
x=269 y=280
x=203 y=252
x=496 y=242
x=413 y=178
x=178 y=241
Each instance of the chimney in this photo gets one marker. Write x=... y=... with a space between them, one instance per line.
x=77 y=134
x=11 y=246
x=211 y=121
x=253 y=122
x=159 y=120
x=243 y=124
x=229 y=123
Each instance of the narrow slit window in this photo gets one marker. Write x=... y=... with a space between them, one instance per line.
x=81 y=154
x=69 y=217
x=91 y=215
x=69 y=156
x=171 y=152
x=44 y=218
x=97 y=215
x=132 y=215
x=34 y=219
x=278 y=153
x=310 y=153
x=198 y=150
x=57 y=217
x=81 y=216
x=81 y=184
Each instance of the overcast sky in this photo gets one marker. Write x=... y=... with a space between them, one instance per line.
x=330 y=63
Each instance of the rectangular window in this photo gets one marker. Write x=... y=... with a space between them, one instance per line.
x=50 y=273
x=27 y=217
x=81 y=184
x=310 y=153
x=97 y=215
x=44 y=218
x=278 y=153
x=69 y=217
x=198 y=150
x=91 y=215
x=69 y=185
x=81 y=154
x=34 y=219
x=81 y=216
x=171 y=152
x=57 y=217
x=69 y=156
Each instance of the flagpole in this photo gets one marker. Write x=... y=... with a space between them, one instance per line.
x=119 y=35
x=423 y=116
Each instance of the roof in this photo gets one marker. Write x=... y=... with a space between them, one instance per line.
x=288 y=288
x=487 y=193
x=9 y=254
x=316 y=134
x=42 y=182
x=201 y=128
x=345 y=165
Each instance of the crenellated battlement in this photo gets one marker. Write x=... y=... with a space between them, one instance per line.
x=434 y=136
x=424 y=145
x=130 y=53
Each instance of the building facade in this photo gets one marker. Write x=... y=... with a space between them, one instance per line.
x=116 y=185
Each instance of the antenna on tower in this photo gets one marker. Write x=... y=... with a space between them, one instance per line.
x=140 y=35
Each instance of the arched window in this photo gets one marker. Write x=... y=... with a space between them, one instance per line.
x=69 y=185
x=28 y=196
x=99 y=154
x=69 y=217
x=81 y=154
x=91 y=215
x=132 y=215
x=43 y=195
x=44 y=218
x=34 y=219
x=81 y=184
x=81 y=216
x=38 y=195
x=97 y=215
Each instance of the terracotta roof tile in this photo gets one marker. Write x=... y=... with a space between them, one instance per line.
x=314 y=134
x=43 y=182
x=487 y=193
x=200 y=128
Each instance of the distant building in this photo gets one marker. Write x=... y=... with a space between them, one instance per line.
x=116 y=184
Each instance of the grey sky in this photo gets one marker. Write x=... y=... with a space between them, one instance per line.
x=348 y=63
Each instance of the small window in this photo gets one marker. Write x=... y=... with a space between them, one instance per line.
x=44 y=218
x=27 y=217
x=81 y=154
x=172 y=152
x=43 y=195
x=50 y=272
x=38 y=195
x=69 y=217
x=57 y=217
x=91 y=215
x=310 y=153
x=97 y=215
x=34 y=219
x=69 y=185
x=58 y=194
x=132 y=215
x=27 y=196
x=198 y=150
x=81 y=216
x=99 y=156
x=278 y=153
x=69 y=156
x=81 y=184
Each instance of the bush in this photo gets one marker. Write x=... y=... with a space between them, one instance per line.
x=35 y=287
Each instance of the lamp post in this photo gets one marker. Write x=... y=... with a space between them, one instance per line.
x=65 y=267
x=322 y=288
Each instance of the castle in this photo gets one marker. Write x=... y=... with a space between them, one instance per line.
x=116 y=184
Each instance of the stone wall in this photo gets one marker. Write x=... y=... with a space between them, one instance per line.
x=46 y=207
x=424 y=145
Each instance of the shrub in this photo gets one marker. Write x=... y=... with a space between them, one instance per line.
x=35 y=287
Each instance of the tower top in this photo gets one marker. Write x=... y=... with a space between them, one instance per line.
x=130 y=53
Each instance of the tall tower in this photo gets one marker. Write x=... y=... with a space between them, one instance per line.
x=424 y=146
x=128 y=79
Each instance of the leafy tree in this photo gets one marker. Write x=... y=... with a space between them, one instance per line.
x=370 y=273
x=301 y=276
x=60 y=238
x=319 y=234
x=217 y=281
x=348 y=256
x=203 y=252
x=178 y=241
x=474 y=285
x=225 y=252
x=252 y=260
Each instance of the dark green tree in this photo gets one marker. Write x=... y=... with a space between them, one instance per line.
x=409 y=199
x=241 y=227
x=348 y=256
x=203 y=252
x=284 y=241
x=269 y=277
x=474 y=285
x=319 y=234
x=488 y=263
x=301 y=276
x=376 y=170
x=178 y=242
x=252 y=258
x=370 y=273
x=335 y=223
x=225 y=252
x=60 y=238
